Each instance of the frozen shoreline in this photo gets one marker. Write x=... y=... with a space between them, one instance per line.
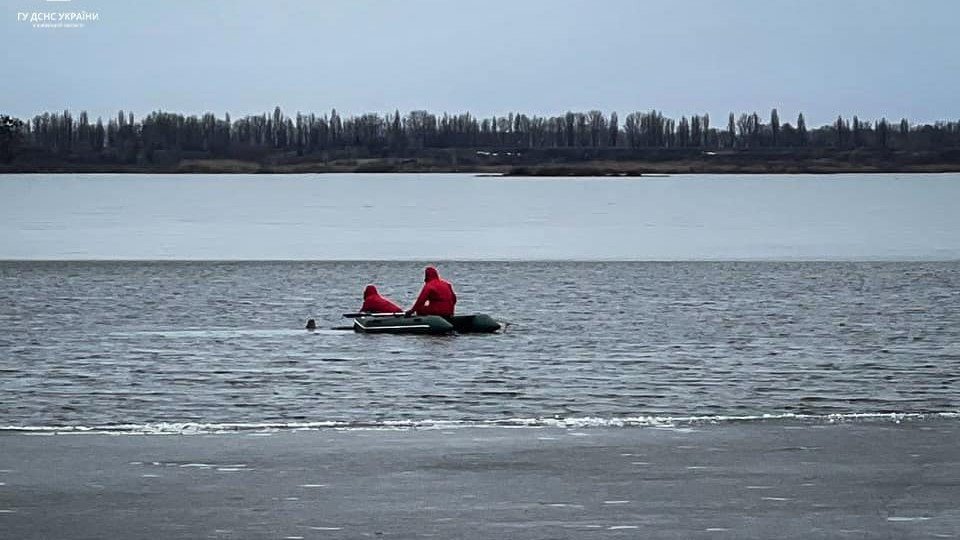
x=712 y=481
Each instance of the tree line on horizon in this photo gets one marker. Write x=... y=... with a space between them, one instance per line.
x=163 y=136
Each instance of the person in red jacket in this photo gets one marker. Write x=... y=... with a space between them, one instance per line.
x=374 y=303
x=436 y=297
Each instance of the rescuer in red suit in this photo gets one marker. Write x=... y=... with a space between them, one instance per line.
x=374 y=303
x=436 y=297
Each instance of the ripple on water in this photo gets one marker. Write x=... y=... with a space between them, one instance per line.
x=221 y=343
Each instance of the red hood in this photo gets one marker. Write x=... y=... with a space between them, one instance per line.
x=430 y=274
x=369 y=291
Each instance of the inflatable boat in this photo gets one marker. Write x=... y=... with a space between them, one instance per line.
x=392 y=323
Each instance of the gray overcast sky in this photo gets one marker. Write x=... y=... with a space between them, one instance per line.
x=823 y=57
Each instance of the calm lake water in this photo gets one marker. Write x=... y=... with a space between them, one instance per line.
x=411 y=217
x=168 y=346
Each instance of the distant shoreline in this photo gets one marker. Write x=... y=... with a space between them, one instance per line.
x=591 y=169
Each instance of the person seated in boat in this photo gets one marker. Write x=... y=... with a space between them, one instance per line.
x=374 y=303
x=436 y=297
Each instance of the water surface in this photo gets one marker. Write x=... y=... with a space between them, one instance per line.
x=602 y=341
x=148 y=343
x=448 y=216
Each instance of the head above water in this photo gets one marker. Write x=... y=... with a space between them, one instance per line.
x=370 y=291
x=430 y=273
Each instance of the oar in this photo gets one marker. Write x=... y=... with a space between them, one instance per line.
x=355 y=315
x=312 y=325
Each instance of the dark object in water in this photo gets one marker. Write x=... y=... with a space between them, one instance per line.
x=311 y=324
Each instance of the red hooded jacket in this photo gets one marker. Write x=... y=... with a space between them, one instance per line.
x=436 y=297
x=374 y=303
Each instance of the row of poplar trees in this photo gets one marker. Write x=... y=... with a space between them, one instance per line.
x=164 y=132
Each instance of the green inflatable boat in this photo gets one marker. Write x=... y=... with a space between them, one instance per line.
x=424 y=324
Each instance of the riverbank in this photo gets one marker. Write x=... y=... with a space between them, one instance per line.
x=630 y=169
x=522 y=162
x=753 y=480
